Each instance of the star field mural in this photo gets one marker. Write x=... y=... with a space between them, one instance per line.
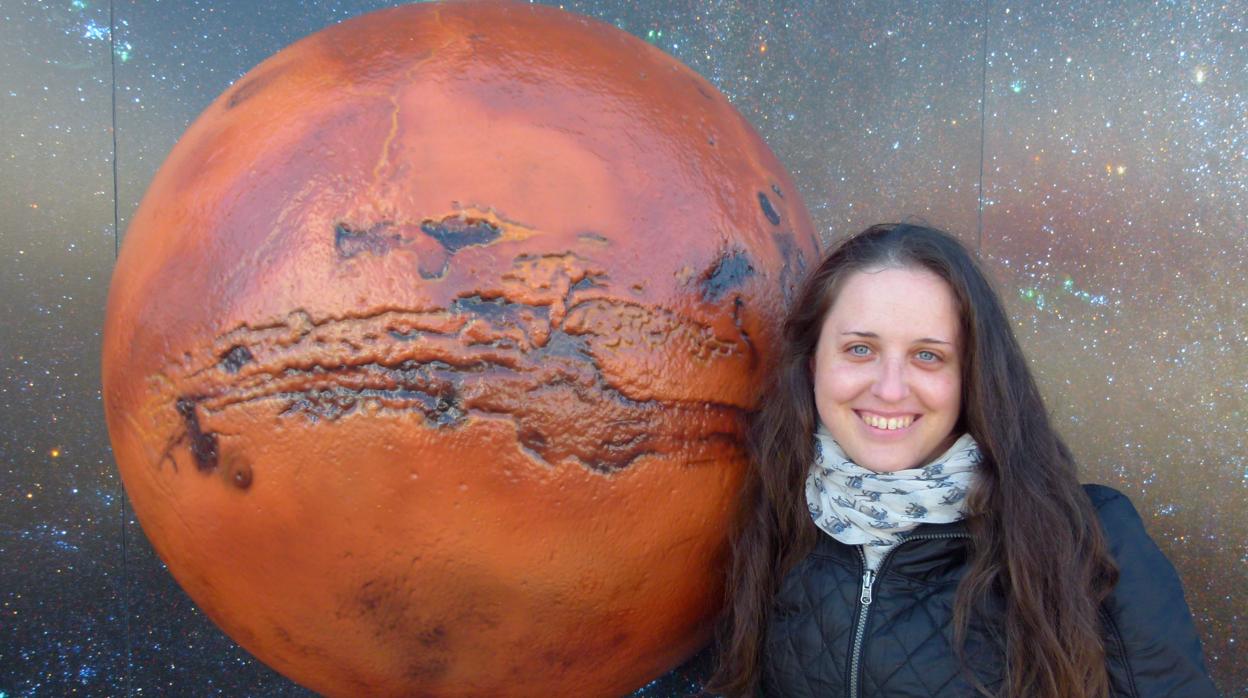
x=1095 y=155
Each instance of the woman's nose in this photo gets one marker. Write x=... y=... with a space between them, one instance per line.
x=890 y=383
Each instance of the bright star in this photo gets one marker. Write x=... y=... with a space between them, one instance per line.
x=95 y=32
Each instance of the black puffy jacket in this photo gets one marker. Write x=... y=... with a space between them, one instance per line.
x=830 y=634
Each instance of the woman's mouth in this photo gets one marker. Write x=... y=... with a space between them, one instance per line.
x=883 y=423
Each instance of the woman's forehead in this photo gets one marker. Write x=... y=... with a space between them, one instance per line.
x=909 y=303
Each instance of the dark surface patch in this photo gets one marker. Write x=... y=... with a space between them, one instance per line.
x=776 y=189
x=500 y=311
x=593 y=237
x=560 y=659
x=426 y=670
x=794 y=269
x=432 y=242
x=371 y=595
x=374 y=240
x=305 y=650
x=491 y=308
x=702 y=91
x=585 y=283
x=203 y=445
x=730 y=271
x=250 y=88
x=430 y=274
x=768 y=210
x=456 y=232
x=565 y=346
x=434 y=637
x=235 y=358
x=386 y=604
x=443 y=410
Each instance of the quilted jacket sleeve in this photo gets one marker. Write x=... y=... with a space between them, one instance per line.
x=1151 y=631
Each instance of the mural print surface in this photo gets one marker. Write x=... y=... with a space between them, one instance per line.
x=1108 y=141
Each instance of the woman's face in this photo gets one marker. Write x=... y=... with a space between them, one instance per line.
x=888 y=384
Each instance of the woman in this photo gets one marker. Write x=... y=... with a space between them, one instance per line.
x=914 y=525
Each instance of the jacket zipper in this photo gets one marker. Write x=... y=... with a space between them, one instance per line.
x=866 y=595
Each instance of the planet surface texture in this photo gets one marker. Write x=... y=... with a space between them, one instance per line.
x=427 y=352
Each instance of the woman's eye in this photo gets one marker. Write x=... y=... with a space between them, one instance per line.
x=927 y=356
x=859 y=350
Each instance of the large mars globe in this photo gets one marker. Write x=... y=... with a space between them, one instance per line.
x=428 y=348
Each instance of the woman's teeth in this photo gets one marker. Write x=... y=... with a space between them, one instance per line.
x=889 y=423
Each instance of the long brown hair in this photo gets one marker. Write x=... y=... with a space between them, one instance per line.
x=1035 y=538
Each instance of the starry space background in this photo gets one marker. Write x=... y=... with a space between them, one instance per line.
x=1095 y=154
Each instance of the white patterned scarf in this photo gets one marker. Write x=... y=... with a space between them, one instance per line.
x=857 y=506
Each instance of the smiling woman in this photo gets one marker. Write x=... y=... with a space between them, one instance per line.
x=913 y=524
x=886 y=370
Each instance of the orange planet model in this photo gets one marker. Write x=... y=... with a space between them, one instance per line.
x=427 y=351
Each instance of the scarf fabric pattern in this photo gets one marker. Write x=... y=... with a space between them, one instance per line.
x=857 y=506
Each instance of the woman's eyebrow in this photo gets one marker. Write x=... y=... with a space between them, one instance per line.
x=921 y=340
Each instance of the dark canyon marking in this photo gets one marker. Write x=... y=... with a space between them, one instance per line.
x=768 y=210
x=547 y=391
x=203 y=445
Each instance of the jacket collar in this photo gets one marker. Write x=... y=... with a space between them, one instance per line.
x=954 y=535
